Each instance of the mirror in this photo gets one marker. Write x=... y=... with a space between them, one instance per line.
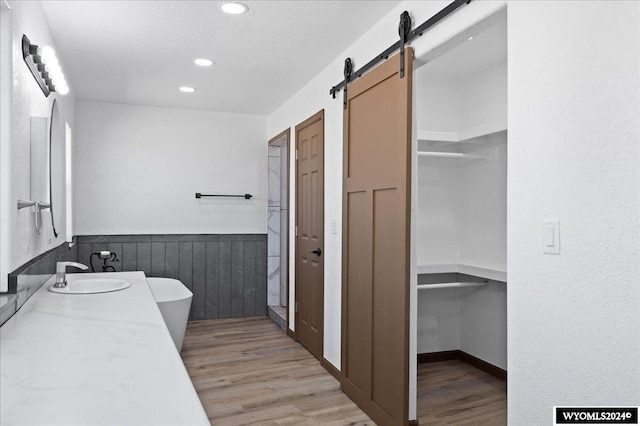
x=56 y=168
x=39 y=159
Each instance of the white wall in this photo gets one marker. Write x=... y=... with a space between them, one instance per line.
x=20 y=242
x=483 y=97
x=138 y=169
x=483 y=237
x=438 y=320
x=483 y=211
x=574 y=318
x=438 y=101
x=483 y=323
x=438 y=232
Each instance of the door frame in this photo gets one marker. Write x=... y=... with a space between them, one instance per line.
x=318 y=116
x=287 y=133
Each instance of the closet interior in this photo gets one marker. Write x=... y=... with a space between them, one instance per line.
x=461 y=121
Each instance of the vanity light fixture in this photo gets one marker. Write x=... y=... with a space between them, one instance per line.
x=234 y=8
x=45 y=67
x=202 y=62
x=187 y=89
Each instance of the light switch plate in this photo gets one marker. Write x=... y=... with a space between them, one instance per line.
x=551 y=236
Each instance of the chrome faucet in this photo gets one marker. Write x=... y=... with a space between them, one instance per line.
x=61 y=271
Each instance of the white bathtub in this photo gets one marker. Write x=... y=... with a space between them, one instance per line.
x=174 y=301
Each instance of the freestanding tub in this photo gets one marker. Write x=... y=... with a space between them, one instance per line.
x=174 y=301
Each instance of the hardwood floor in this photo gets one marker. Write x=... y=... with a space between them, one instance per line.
x=247 y=371
x=456 y=393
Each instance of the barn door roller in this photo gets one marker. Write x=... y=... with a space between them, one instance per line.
x=348 y=69
x=404 y=28
x=406 y=36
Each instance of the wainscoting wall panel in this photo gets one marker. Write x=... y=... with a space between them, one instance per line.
x=226 y=273
x=28 y=278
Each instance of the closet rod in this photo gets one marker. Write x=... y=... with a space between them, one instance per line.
x=453 y=285
x=449 y=155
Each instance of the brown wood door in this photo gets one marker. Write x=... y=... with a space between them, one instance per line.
x=310 y=233
x=376 y=209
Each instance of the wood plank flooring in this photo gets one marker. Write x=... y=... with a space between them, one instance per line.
x=247 y=371
x=456 y=393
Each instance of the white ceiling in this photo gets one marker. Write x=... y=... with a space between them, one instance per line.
x=140 y=52
x=472 y=56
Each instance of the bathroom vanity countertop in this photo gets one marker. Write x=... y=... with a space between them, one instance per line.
x=98 y=359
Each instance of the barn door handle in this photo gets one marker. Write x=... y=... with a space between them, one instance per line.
x=317 y=252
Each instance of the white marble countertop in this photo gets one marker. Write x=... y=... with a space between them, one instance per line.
x=94 y=359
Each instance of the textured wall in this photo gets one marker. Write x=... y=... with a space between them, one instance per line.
x=139 y=167
x=574 y=318
x=20 y=242
x=226 y=273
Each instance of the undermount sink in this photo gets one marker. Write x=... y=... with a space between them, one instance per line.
x=92 y=285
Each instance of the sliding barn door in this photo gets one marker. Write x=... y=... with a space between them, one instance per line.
x=376 y=254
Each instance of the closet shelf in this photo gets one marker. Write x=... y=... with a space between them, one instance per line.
x=459 y=155
x=486 y=133
x=493 y=274
x=452 y=285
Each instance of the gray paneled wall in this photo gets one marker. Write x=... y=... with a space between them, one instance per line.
x=226 y=273
x=27 y=279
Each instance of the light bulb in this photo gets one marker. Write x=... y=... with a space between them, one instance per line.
x=58 y=80
x=51 y=62
x=203 y=62
x=45 y=52
x=234 y=8
x=187 y=89
x=54 y=70
x=63 y=90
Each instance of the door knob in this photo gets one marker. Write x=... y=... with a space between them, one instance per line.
x=317 y=252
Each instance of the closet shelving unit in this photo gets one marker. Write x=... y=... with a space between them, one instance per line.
x=457 y=144
x=461 y=201
x=461 y=296
x=494 y=273
x=448 y=145
x=462 y=144
x=486 y=133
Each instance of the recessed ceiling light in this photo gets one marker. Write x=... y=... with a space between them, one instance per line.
x=187 y=89
x=203 y=62
x=234 y=8
x=470 y=38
